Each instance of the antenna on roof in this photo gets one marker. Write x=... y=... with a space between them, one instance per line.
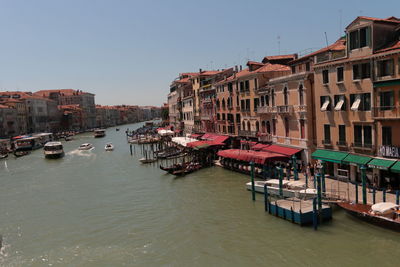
x=340 y=22
x=326 y=39
x=279 y=45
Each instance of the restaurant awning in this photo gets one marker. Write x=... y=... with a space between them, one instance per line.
x=356 y=159
x=193 y=135
x=259 y=146
x=287 y=151
x=215 y=137
x=395 y=167
x=382 y=164
x=204 y=144
x=329 y=155
x=258 y=157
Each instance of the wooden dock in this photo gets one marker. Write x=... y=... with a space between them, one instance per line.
x=297 y=211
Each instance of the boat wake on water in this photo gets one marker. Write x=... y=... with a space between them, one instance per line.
x=83 y=153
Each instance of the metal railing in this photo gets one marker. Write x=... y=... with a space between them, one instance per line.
x=284 y=109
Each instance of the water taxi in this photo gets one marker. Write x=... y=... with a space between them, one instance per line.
x=53 y=150
x=99 y=133
x=85 y=146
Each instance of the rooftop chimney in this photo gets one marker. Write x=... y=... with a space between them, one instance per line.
x=200 y=70
x=240 y=67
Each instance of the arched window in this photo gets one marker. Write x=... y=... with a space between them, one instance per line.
x=263 y=126
x=248 y=126
x=218 y=103
x=301 y=95
x=273 y=97
x=268 y=127
x=285 y=96
x=286 y=127
x=223 y=103
x=243 y=126
x=257 y=126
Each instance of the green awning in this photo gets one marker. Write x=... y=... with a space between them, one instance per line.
x=382 y=164
x=329 y=155
x=395 y=167
x=386 y=83
x=356 y=159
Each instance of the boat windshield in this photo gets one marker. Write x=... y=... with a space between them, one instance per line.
x=53 y=148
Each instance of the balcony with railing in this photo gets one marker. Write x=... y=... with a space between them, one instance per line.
x=300 y=108
x=284 y=109
x=248 y=133
x=386 y=112
x=266 y=109
x=264 y=137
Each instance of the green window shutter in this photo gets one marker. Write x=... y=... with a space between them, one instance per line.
x=368 y=36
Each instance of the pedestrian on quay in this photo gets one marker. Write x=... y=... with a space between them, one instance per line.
x=311 y=167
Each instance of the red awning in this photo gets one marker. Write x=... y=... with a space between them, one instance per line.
x=215 y=137
x=258 y=157
x=288 y=151
x=195 y=135
x=259 y=146
x=204 y=143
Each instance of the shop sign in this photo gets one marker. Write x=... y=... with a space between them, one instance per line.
x=389 y=151
x=378 y=167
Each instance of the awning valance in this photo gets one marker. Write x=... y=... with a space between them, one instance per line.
x=382 y=164
x=215 y=137
x=395 y=167
x=356 y=159
x=258 y=157
x=287 y=151
x=329 y=155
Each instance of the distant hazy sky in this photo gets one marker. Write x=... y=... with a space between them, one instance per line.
x=129 y=51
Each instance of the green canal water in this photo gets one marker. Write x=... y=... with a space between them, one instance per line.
x=102 y=208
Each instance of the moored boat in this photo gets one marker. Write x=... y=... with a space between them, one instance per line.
x=3 y=156
x=384 y=214
x=53 y=150
x=145 y=160
x=20 y=153
x=289 y=188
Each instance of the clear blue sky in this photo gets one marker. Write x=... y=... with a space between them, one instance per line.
x=129 y=51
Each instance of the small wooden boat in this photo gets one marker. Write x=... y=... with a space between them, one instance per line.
x=3 y=156
x=189 y=168
x=20 y=153
x=384 y=214
x=171 y=168
x=145 y=161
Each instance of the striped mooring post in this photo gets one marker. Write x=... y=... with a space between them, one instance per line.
x=253 y=188
x=315 y=214
x=364 y=183
x=356 y=188
x=266 y=197
x=295 y=171
x=373 y=195
x=384 y=195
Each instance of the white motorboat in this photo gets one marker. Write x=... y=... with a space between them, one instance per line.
x=99 y=133
x=289 y=188
x=85 y=146
x=53 y=150
x=109 y=147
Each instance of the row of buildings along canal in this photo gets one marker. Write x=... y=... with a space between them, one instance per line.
x=339 y=104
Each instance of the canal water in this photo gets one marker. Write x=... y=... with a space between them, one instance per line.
x=101 y=208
